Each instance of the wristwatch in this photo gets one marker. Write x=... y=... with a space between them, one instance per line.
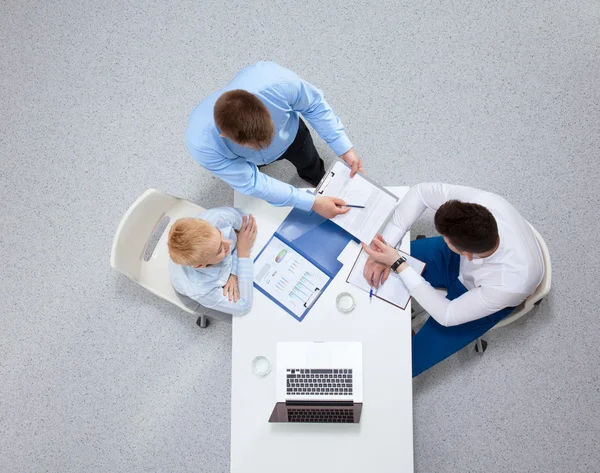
x=398 y=262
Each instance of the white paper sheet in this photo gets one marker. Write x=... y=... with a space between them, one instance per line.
x=288 y=277
x=361 y=223
x=393 y=291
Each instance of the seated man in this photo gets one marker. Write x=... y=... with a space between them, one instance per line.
x=487 y=258
x=210 y=259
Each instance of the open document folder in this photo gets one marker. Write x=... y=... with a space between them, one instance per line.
x=378 y=202
x=295 y=267
x=288 y=278
x=393 y=291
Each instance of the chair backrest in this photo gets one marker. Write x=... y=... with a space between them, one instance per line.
x=140 y=249
x=542 y=290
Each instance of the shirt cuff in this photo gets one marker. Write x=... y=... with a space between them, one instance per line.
x=392 y=234
x=306 y=200
x=245 y=268
x=234 y=264
x=411 y=279
x=341 y=145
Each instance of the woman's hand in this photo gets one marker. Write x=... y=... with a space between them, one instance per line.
x=231 y=289
x=246 y=236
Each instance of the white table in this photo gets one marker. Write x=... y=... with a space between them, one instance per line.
x=383 y=440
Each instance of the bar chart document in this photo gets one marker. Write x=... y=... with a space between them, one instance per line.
x=289 y=278
x=379 y=203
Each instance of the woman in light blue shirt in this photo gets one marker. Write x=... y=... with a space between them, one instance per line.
x=210 y=259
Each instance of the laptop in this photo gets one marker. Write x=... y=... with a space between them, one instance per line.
x=318 y=382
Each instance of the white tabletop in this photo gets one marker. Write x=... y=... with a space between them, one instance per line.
x=383 y=440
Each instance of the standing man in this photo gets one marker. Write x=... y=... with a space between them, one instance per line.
x=253 y=121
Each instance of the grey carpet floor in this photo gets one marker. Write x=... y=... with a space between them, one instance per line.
x=97 y=375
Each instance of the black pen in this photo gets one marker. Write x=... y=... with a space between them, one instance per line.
x=354 y=206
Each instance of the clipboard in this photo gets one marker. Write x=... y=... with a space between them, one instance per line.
x=289 y=278
x=397 y=286
x=379 y=203
x=330 y=173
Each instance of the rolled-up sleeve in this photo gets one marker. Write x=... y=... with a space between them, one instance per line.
x=245 y=177
x=305 y=98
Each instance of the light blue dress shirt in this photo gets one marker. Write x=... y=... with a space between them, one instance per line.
x=205 y=285
x=285 y=95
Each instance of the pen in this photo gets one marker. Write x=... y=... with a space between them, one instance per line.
x=371 y=292
x=354 y=206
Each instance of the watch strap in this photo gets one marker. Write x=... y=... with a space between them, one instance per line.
x=398 y=262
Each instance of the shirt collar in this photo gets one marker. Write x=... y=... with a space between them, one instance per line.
x=493 y=257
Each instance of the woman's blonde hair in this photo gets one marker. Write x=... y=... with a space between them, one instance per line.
x=188 y=239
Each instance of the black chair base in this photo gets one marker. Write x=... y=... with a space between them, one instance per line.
x=484 y=345
x=202 y=321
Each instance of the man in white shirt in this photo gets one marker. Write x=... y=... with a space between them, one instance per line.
x=487 y=258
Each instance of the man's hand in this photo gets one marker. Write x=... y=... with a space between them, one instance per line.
x=376 y=273
x=381 y=252
x=231 y=289
x=353 y=161
x=329 y=207
x=246 y=236
x=381 y=257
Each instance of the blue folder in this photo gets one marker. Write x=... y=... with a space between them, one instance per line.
x=316 y=239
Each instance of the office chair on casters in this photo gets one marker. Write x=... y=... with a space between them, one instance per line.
x=533 y=300
x=140 y=251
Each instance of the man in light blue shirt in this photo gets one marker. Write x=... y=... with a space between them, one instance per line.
x=210 y=259
x=253 y=121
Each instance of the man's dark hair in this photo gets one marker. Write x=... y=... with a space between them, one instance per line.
x=469 y=227
x=243 y=118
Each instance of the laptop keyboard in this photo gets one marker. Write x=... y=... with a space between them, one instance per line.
x=327 y=416
x=330 y=382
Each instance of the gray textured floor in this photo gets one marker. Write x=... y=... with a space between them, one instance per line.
x=97 y=375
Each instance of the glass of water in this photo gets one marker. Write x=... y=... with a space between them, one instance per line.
x=261 y=366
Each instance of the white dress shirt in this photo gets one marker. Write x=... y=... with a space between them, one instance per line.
x=501 y=280
x=205 y=285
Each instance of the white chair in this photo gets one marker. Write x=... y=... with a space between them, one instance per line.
x=542 y=290
x=533 y=300
x=140 y=251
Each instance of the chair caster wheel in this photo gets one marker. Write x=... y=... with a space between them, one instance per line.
x=202 y=321
x=484 y=345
